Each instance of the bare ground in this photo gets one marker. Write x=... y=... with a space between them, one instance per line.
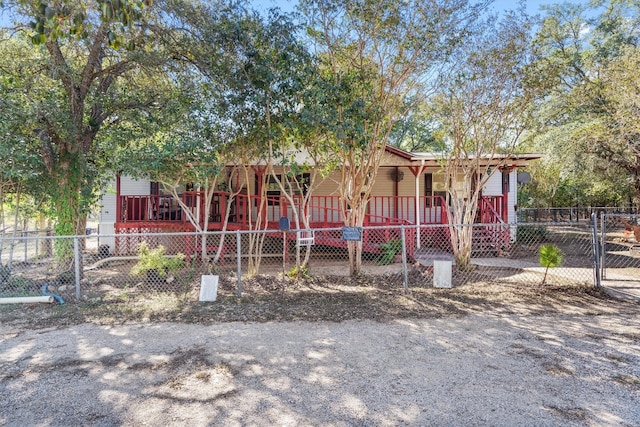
x=379 y=297
x=329 y=351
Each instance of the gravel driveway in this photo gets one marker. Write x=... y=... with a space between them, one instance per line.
x=476 y=370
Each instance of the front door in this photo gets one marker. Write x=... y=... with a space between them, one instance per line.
x=428 y=188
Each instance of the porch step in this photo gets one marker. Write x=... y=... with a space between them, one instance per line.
x=490 y=240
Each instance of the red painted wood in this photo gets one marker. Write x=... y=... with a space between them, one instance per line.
x=158 y=213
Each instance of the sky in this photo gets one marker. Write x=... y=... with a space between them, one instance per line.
x=533 y=6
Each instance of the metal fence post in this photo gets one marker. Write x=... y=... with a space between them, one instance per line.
x=239 y=261
x=404 y=259
x=76 y=253
x=603 y=231
x=596 y=249
x=26 y=246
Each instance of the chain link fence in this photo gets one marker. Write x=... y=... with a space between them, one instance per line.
x=569 y=214
x=21 y=246
x=129 y=266
x=620 y=253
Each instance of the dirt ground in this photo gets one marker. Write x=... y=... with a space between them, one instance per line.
x=330 y=352
x=378 y=297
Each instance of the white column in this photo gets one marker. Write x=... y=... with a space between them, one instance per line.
x=418 y=203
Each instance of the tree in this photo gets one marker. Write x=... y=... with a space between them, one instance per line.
x=483 y=112
x=85 y=63
x=247 y=71
x=267 y=85
x=257 y=65
x=550 y=256
x=591 y=65
x=188 y=145
x=22 y=173
x=375 y=56
x=417 y=132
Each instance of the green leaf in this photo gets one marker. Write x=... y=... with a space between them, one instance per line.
x=550 y=256
x=38 y=39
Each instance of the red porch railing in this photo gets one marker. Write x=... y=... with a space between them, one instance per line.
x=154 y=207
x=496 y=237
x=492 y=210
x=322 y=211
x=430 y=209
x=164 y=212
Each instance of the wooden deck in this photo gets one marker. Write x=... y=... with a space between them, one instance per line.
x=142 y=214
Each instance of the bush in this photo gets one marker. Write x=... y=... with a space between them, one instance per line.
x=531 y=233
x=389 y=250
x=154 y=260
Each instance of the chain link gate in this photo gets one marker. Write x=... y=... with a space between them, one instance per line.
x=619 y=257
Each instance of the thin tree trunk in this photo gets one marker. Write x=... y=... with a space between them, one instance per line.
x=15 y=227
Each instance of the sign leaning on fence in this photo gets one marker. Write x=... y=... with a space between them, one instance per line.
x=352 y=233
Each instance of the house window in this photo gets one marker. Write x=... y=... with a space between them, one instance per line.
x=273 y=190
x=303 y=183
x=299 y=186
x=440 y=198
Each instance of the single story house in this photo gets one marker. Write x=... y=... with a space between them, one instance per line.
x=409 y=189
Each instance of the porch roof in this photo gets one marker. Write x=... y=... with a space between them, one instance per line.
x=398 y=157
x=518 y=160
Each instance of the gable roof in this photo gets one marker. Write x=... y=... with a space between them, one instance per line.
x=398 y=152
x=431 y=159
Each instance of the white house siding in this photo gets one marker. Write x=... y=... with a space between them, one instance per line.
x=513 y=196
x=106 y=227
x=493 y=187
x=108 y=205
x=128 y=186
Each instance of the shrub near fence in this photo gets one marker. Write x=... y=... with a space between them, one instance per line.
x=95 y=273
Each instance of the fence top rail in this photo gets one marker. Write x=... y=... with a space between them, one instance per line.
x=621 y=215
x=8 y=238
x=593 y=208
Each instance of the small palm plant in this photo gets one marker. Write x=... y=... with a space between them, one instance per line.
x=550 y=256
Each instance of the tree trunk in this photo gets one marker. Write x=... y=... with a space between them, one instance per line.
x=464 y=203
x=355 y=218
x=67 y=201
x=463 y=245
x=15 y=227
x=355 y=258
x=636 y=189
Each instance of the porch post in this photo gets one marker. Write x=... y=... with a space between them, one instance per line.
x=118 y=199
x=197 y=194
x=418 y=206
x=505 y=191
x=417 y=172
x=116 y=240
